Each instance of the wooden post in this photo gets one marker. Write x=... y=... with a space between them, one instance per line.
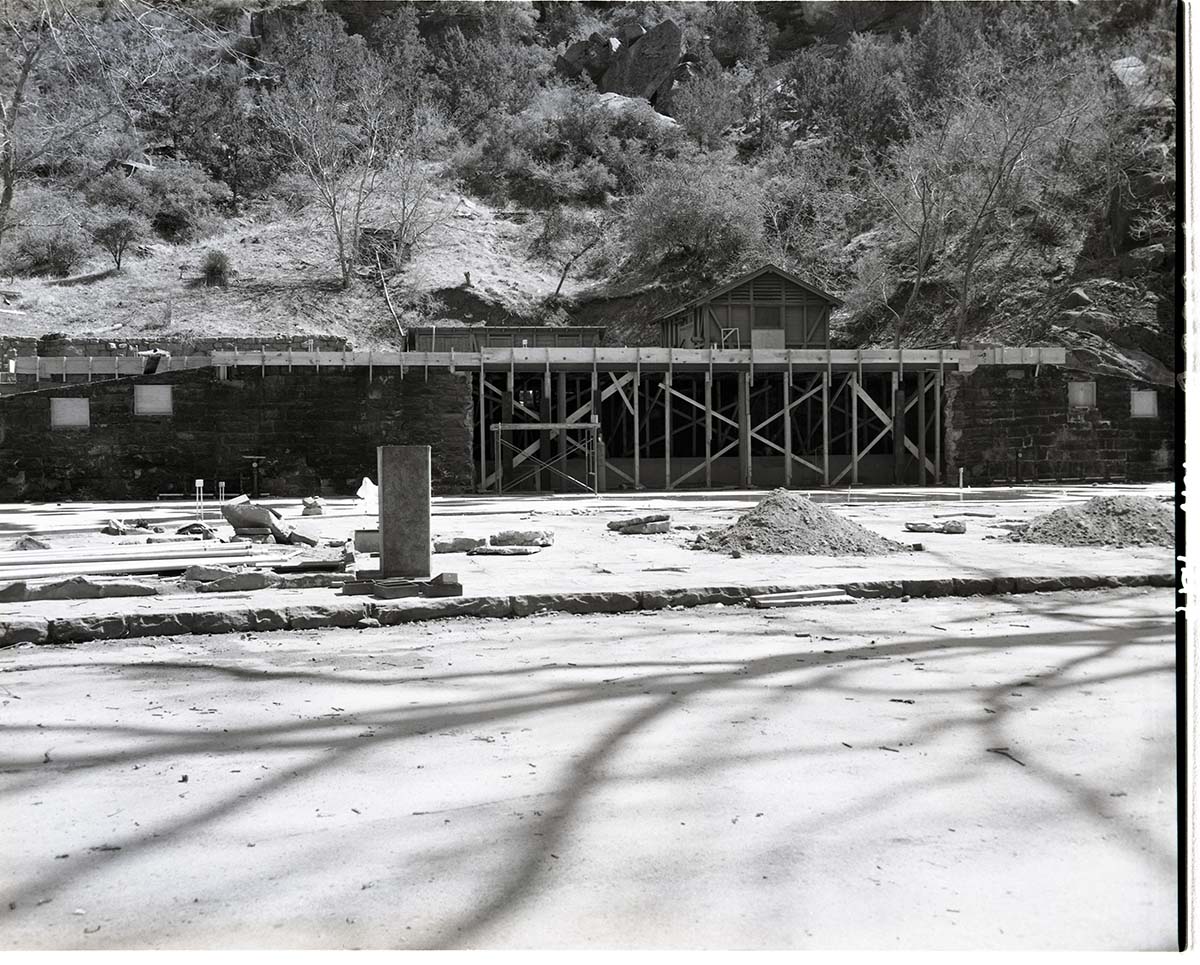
x=937 y=426
x=637 y=430
x=708 y=429
x=482 y=429
x=825 y=428
x=506 y=415
x=787 y=427
x=897 y=429
x=745 y=466
x=855 y=379
x=667 y=438
x=561 y=416
x=543 y=476
x=921 y=425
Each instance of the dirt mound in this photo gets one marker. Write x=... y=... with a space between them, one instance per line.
x=1103 y=521
x=788 y=523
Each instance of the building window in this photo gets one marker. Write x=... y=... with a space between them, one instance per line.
x=152 y=400
x=1081 y=395
x=1143 y=403
x=70 y=414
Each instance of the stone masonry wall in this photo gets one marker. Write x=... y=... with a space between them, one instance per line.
x=317 y=432
x=1005 y=424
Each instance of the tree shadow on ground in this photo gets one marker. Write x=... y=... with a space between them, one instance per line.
x=1090 y=656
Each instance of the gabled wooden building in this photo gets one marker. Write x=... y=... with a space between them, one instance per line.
x=766 y=308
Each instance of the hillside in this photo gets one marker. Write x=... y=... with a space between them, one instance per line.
x=651 y=150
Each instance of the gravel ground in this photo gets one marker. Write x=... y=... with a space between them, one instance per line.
x=966 y=773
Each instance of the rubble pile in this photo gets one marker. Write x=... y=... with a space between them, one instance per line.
x=1103 y=521
x=787 y=523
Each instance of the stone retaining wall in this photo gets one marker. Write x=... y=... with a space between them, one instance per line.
x=317 y=431
x=1012 y=425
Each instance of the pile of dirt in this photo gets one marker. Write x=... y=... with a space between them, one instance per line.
x=790 y=524
x=1103 y=521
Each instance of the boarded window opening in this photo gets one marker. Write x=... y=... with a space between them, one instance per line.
x=1143 y=403
x=1081 y=395
x=70 y=414
x=152 y=400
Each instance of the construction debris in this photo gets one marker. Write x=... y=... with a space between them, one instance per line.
x=29 y=543
x=457 y=544
x=814 y=597
x=638 y=525
x=250 y=519
x=121 y=527
x=950 y=526
x=514 y=537
x=366 y=540
x=313 y=506
x=207 y=574
x=254 y=580
x=73 y=588
x=788 y=523
x=393 y=588
x=1103 y=521
x=203 y=530
x=504 y=551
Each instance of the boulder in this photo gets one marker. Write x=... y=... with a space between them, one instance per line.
x=313 y=506
x=14 y=592
x=1143 y=259
x=620 y=525
x=457 y=544
x=640 y=69
x=514 y=537
x=1076 y=298
x=629 y=32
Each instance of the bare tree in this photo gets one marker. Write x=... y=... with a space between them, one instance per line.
x=68 y=66
x=116 y=233
x=333 y=114
x=568 y=235
x=996 y=147
x=915 y=193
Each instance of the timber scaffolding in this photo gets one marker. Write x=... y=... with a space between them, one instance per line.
x=659 y=418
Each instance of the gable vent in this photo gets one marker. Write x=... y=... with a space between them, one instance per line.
x=768 y=288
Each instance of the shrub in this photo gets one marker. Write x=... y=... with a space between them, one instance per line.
x=184 y=200
x=117 y=231
x=708 y=217
x=56 y=249
x=215 y=268
x=567 y=148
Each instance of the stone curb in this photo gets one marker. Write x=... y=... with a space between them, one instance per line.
x=348 y=613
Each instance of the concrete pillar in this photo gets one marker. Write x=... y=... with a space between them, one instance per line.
x=404 y=487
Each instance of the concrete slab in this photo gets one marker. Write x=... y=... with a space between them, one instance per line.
x=716 y=778
x=587 y=557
